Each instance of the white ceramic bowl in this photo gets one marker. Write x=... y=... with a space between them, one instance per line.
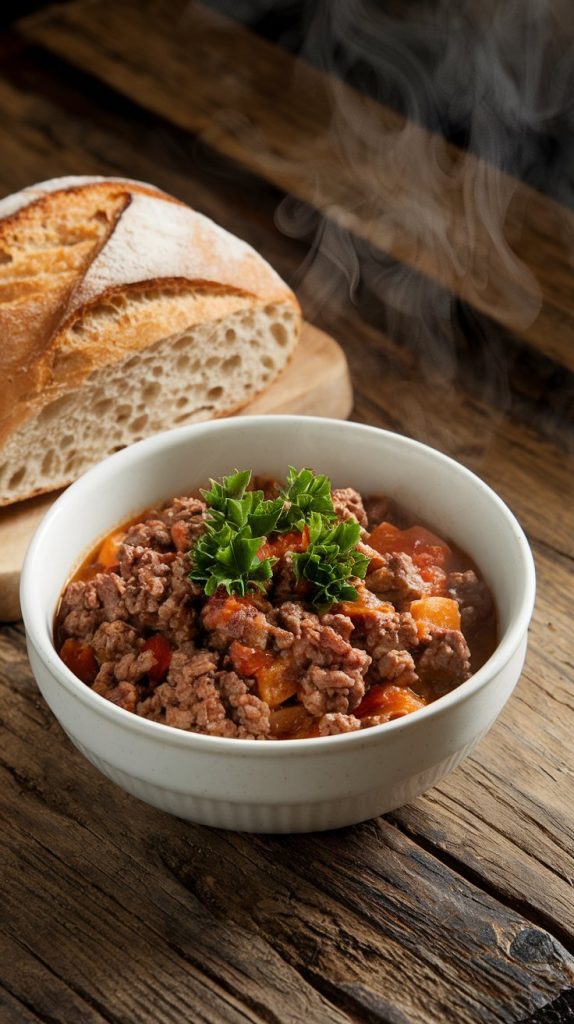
x=288 y=785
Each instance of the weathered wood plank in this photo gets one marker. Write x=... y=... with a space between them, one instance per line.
x=48 y=128
x=498 y=244
x=96 y=919
x=559 y=1011
x=15 y=1012
x=73 y=128
x=222 y=910
x=32 y=984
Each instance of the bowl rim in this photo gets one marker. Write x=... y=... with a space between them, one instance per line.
x=38 y=632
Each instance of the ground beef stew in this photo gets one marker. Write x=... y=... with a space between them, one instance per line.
x=303 y=612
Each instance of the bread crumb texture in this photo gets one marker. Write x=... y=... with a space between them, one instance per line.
x=123 y=313
x=190 y=377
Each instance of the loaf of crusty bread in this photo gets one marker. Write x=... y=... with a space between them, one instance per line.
x=123 y=312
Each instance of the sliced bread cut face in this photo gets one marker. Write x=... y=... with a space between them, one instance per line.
x=123 y=312
x=205 y=371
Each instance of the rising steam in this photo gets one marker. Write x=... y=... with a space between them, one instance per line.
x=410 y=218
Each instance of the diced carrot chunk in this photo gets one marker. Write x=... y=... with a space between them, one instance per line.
x=386 y=537
x=291 y=722
x=437 y=611
x=276 y=682
x=386 y=702
x=367 y=605
x=274 y=674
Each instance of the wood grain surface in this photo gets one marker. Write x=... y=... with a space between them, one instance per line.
x=315 y=383
x=457 y=908
x=454 y=218
x=270 y=925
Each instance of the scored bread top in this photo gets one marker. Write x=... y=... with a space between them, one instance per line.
x=93 y=268
x=152 y=240
x=18 y=200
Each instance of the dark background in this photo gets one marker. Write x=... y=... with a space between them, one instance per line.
x=493 y=76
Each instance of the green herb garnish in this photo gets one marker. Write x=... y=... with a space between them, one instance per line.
x=306 y=493
x=230 y=502
x=239 y=522
x=226 y=557
x=330 y=560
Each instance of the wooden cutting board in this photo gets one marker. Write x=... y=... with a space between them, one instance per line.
x=315 y=383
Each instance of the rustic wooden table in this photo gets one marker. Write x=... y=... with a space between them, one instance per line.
x=449 y=286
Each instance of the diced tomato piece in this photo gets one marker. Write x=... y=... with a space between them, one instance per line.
x=311 y=733
x=424 y=547
x=80 y=659
x=431 y=556
x=274 y=674
x=388 y=702
x=162 y=653
x=266 y=550
x=283 y=542
x=248 y=661
x=108 y=554
x=304 y=588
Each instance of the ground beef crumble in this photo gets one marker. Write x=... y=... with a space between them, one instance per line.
x=473 y=597
x=395 y=578
x=164 y=651
x=332 y=724
x=348 y=504
x=445 y=662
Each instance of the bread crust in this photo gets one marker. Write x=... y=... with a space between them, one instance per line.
x=129 y=240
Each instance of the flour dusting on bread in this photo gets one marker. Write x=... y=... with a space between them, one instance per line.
x=152 y=240
x=123 y=312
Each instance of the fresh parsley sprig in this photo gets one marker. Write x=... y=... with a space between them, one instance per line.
x=230 y=502
x=239 y=521
x=305 y=493
x=227 y=557
x=237 y=524
x=330 y=561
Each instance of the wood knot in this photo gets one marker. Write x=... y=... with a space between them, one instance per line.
x=532 y=946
